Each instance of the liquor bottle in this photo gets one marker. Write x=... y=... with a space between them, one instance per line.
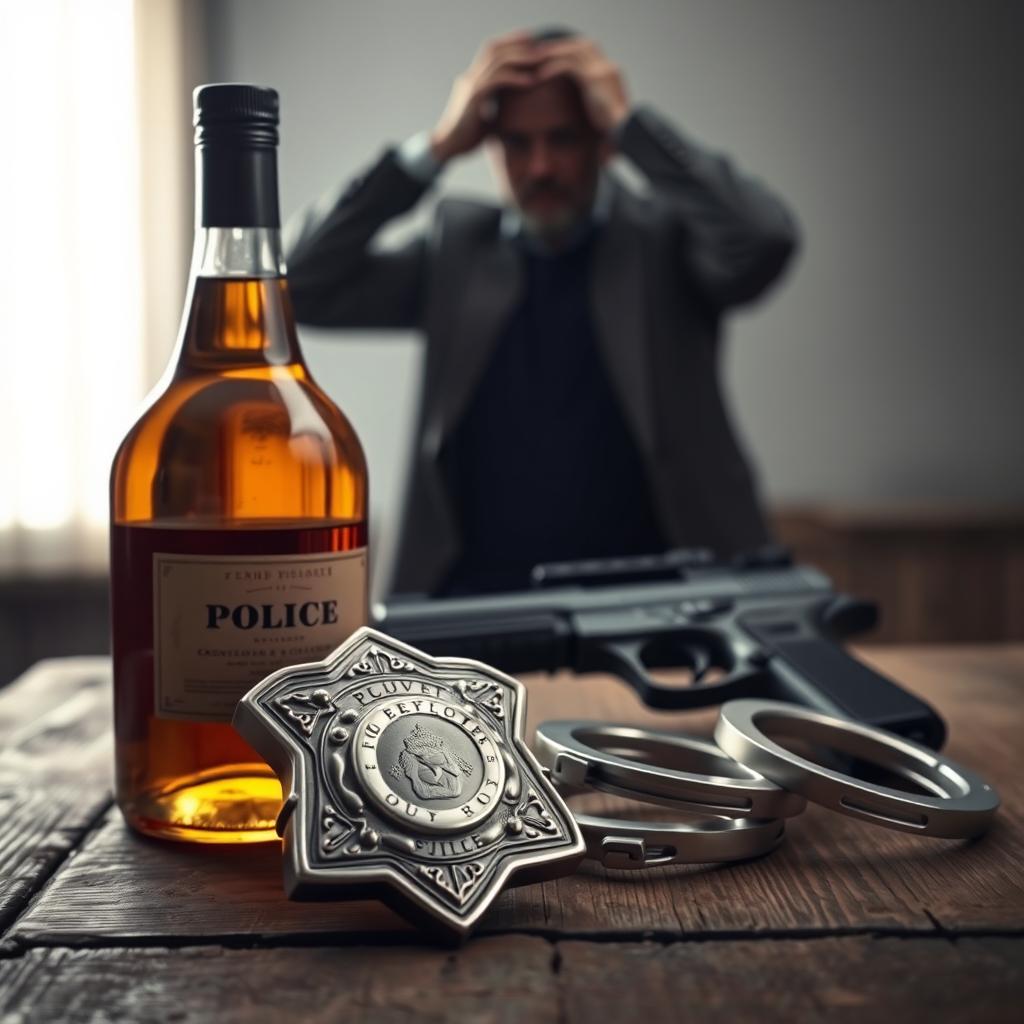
x=238 y=508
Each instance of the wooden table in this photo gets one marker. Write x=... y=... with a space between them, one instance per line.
x=98 y=924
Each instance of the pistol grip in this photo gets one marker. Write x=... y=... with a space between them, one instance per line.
x=810 y=669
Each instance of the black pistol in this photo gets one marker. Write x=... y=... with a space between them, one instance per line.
x=753 y=626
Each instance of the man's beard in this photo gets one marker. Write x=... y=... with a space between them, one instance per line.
x=555 y=225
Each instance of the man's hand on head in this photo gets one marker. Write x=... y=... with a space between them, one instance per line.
x=600 y=81
x=508 y=61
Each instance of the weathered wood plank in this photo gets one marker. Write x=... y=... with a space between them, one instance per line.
x=972 y=981
x=980 y=692
x=51 y=685
x=55 y=768
x=129 y=886
x=516 y=978
x=832 y=874
x=506 y=979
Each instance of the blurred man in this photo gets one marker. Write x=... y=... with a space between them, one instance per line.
x=571 y=404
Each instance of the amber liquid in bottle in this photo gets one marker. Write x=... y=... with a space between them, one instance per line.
x=238 y=546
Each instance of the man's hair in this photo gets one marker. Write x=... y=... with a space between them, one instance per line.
x=549 y=33
x=544 y=34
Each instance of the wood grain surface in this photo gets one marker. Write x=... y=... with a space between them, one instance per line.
x=97 y=923
x=514 y=978
x=56 y=765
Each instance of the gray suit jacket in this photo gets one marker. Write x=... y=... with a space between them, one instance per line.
x=667 y=264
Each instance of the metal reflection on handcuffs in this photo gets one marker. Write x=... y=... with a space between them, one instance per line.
x=957 y=803
x=409 y=779
x=683 y=772
x=740 y=810
x=749 y=774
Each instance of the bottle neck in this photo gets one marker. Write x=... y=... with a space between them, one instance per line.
x=237 y=252
x=238 y=312
x=236 y=185
x=238 y=223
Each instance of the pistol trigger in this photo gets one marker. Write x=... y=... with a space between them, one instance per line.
x=700 y=661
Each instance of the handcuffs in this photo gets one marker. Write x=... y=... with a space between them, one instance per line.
x=764 y=781
x=408 y=778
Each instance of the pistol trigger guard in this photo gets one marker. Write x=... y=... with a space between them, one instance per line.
x=623 y=658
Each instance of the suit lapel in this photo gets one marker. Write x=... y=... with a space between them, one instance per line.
x=620 y=306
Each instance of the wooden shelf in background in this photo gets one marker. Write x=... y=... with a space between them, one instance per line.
x=941 y=573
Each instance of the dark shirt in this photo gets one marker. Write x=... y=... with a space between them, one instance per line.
x=543 y=464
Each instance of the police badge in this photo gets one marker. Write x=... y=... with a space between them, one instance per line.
x=407 y=778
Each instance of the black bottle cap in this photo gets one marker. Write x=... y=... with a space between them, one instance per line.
x=236 y=144
x=247 y=115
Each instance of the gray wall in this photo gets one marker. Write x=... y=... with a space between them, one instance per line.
x=888 y=366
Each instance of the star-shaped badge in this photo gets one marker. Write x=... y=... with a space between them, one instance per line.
x=407 y=779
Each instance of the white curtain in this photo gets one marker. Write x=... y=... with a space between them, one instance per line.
x=94 y=100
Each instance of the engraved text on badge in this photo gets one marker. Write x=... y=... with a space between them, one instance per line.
x=429 y=763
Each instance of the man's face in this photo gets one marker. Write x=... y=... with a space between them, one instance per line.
x=547 y=155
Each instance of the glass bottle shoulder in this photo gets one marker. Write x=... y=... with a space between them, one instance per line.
x=253 y=440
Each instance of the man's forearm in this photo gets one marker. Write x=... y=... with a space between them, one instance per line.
x=329 y=234
x=334 y=275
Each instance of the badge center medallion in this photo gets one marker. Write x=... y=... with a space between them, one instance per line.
x=429 y=763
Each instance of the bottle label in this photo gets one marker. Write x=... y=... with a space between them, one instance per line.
x=222 y=623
